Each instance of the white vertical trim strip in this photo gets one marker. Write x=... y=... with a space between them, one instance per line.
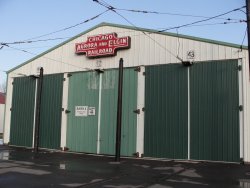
x=64 y=115
x=188 y=80
x=7 y=112
x=34 y=115
x=241 y=117
x=140 y=117
x=99 y=115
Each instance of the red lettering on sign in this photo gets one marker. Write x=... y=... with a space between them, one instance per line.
x=102 y=45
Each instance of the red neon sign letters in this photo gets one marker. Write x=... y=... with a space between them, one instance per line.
x=102 y=45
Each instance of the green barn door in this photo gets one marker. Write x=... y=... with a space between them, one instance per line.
x=22 y=112
x=82 y=130
x=214 y=102
x=109 y=112
x=166 y=112
x=51 y=111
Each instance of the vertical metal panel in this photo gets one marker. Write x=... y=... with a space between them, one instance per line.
x=82 y=131
x=22 y=113
x=166 y=111
x=51 y=111
x=214 y=111
x=109 y=112
x=129 y=118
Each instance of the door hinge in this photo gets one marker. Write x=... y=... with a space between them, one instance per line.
x=144 y=73
x=67 y=111
x=69 y=75
x=143 y=109
x=239 y=67
x=62 y=109
x=138 y=69
x=137 y=111
x=64 y=79
x=241 y=108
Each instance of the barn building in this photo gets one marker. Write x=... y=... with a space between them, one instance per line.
x=183 y=97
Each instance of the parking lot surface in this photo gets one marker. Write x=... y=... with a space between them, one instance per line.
x=24 y=168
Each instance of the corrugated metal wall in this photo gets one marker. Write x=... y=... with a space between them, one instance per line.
x=109 y=112
x=214 y=101
x=82 y=131
x=22 y=111
x=51 y=112
x=166 y=112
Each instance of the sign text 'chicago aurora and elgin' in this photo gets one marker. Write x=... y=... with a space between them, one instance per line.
x=102 y=45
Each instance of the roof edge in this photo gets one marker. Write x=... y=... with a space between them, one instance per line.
x=132 y=28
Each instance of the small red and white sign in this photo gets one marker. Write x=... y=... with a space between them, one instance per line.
x=102 y=45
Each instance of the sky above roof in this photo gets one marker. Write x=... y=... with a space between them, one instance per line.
x=22 y=20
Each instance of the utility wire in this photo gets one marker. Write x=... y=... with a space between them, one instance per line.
x=203 y=20
x=211 y=24
x=45 y=40
x=109 y=7
x=70 y=27
x=25 y=51
x=241 y=46
x=34 y=47
x=171 y=14
x=22 y=42
x=32 y=41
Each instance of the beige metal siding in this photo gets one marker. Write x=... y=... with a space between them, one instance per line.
x=145 y=50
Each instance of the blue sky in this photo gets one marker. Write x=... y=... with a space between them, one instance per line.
x=21 y=20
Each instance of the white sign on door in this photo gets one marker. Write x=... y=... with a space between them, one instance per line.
x=81 y=110
x=91 y=111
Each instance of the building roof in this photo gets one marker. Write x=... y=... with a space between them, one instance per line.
x=132 y=28
x=2 y=98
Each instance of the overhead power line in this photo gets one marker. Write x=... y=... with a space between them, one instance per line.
x=209 y=24
x=70 y=27
x=113 y=9
x=109 y=7
x=32 y=41
x=245 y=34
x=25 y=51
x=203 y=20
x=171 y=14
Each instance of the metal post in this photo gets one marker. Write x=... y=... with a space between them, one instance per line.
x=38 y=107
x=248 y=28
x=119 y=113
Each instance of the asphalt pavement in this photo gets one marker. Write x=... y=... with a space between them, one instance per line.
x=21 y=168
